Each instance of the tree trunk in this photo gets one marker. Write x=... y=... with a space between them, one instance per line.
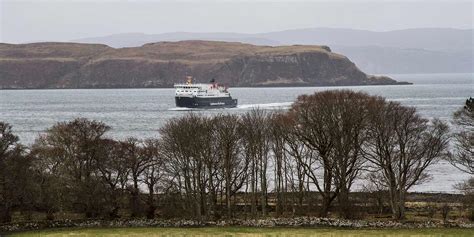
x=115 y=208
x=279 y=185
x=325 y=206
x=401 y=206
x=135 y=197
x=151 y=203
x=253 y=190
x=344 y=204
x=212 y=195
x=300 y=193
x=5 y=214
x=227 y=193
x=263 y=186
x=326 y=192
x=397 y=203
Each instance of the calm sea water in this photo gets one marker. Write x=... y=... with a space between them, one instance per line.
x=141 y=112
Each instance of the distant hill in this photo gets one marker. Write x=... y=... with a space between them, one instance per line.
x=420 y=50
x=439 y=39
x=139 y=39
x=381 y=60
x=74 y=65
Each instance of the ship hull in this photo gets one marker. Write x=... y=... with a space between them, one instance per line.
x=205 y=103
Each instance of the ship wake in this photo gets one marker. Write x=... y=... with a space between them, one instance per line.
x=266 y=106
x=276 y=106
x=181 y=109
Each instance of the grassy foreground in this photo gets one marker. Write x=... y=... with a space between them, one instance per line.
x=243 y=231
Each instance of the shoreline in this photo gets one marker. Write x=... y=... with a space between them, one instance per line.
x=256 y=86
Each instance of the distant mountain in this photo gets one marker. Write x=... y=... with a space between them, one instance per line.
x=420 y=50
x=74 y=65
x=381 y=60
x=439 y=39
x=139 y=39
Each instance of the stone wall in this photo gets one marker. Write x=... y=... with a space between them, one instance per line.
x=268 y=222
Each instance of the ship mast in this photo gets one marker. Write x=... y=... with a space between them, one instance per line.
x=189 y=80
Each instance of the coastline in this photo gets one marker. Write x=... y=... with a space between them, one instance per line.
x=170 y=87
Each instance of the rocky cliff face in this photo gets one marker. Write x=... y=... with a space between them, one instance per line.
x=71 y=65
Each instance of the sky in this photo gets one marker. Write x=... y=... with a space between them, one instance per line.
x=64 y=20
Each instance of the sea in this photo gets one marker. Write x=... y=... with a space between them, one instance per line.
x=141 y=112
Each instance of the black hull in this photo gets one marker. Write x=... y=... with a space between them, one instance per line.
x=206 y=103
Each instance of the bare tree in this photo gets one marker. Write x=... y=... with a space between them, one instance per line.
x=187 y=147
x=202 y=166
x=234 y=164
x=153 y=174
x=289 y=153
x=210 y=156
x=138 y=159
x=69 y=150
x=401 y=147
x=348 y=136
x=311 y=128
x=277 y=135
x=8 y=148
x=113 y=169
x=376 y=191
x=332 y=124
x=466 y=187
x=175 y=136
x=297 y=154
x=15 y=170
x=463 y=158
x=255 y=139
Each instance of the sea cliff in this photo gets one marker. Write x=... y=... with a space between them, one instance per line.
x=155 y=65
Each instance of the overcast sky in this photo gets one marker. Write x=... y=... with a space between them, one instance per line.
x=56 y=20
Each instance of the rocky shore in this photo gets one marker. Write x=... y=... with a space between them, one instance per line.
x=314 y=222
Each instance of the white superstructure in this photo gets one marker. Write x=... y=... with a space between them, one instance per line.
x=211 y=95
x=200 y=90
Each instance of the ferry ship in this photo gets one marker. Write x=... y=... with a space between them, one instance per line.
x=201 y=95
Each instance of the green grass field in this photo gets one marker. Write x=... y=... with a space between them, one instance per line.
x=252 y=232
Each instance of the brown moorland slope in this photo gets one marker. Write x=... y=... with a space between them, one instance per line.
x=74 y=65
